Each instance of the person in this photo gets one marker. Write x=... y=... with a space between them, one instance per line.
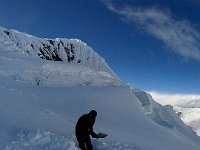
x=84 y=128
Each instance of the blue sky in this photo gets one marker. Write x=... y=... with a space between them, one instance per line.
x=151 y=44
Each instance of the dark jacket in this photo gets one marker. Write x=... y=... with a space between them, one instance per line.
x=84 y=126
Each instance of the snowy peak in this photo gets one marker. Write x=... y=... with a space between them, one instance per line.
x=60 y=49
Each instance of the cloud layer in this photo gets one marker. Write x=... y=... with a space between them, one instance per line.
x=181 y=100
x=179 y=35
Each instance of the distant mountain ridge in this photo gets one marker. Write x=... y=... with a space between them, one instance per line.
x=59 y=49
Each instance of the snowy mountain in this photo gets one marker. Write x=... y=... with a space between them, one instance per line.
x=47 y=84
x=59 y=49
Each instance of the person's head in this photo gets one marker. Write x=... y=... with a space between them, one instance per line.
x=93 y=113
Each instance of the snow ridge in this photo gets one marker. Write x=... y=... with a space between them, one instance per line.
x=160 y=114
x=59 y=49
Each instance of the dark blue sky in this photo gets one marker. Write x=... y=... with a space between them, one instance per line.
x=151 y=44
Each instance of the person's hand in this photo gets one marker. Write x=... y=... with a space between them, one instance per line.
x=101 y=135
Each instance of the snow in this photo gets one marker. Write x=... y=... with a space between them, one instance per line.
x=56 y=109
x=51 y=73
x=37 y=140
x=41 y=101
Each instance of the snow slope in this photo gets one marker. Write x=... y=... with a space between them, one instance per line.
x=26 y=108
x=41 y=101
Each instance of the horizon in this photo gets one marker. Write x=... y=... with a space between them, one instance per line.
x=152 y=45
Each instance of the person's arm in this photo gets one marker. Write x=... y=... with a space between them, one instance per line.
x=92 y=133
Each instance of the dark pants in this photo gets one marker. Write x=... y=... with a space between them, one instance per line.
x=84 y=142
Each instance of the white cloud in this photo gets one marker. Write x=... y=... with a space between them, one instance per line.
x=179 y=35
x=182 y=100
